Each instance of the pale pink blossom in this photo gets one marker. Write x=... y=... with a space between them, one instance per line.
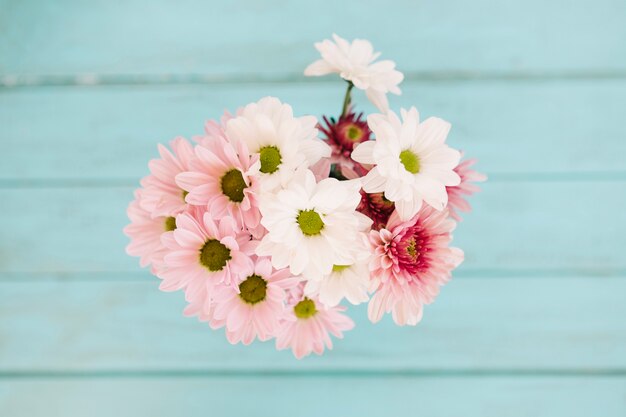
x=161 y=195
x=307 y=327
x=457 y=194
x=254 y=309
x=411 y=261
x=222 y=178
x=203 y=253
x=145 y=234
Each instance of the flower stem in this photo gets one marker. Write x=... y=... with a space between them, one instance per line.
x=347 y=99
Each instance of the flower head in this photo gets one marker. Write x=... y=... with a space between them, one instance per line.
x=308 y=325
x=202 y=253
x=254 y=309
x=411 y=261
x=282 y=141
x=342 y=135
x=161 y=195
x=458 y=193
x=412 y=162
x=145 y=233
x=222 y=178
x=311 y=226
x=376 y=207
x=356 y=62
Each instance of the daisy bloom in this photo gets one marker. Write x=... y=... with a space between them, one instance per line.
x=411 y=261
x=203 y=253
x=311 y=226
x=145 y=233
x=307 y=327
x=282 y=141
x=162 y=196
x=222 y=178
x=345 y=281
x=342 y=135
x=457 y=194
x=254 y=309
x=356 y=62
x=412 y=162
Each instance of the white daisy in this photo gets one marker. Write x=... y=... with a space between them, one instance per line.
x=412 y=162
x=283 y=142
x=354 y=62
x=345 y=281
x=312 y=226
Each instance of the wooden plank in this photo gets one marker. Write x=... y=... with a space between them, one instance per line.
x=108 y=133
x=516 y=226
x=274 y=38
x=323 y=396
x=528 y=325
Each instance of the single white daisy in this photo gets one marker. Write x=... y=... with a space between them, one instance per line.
x=412 y=162
x=283 y=142
x=312 y=226
x=355 y=62
x=345 y=281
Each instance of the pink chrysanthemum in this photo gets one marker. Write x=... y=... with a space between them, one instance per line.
x=162 y=197
x=376 y=207
x=222 y=178
x=342 y=135
x=203 y=253
x=457 y=193
x=307 y=327
x=255 y=308
x=145 y=234
x=411 y=261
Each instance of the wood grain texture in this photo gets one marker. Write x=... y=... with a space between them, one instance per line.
x=251 y=39
x=524 y=325
x=523 y=129
x=316 y=396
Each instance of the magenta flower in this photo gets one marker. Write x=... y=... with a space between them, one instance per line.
x=410 y=261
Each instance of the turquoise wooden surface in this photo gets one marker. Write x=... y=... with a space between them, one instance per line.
x=534 y=321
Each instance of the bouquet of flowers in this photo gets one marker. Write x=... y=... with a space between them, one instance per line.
x=267 y=228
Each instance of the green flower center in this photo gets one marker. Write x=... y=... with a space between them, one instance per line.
x=253 y=289
x=305 y=309
x=214 y=255
x=410 y=161
x=170 y=224
x=310 y=222
x=354 y=132
x=233 y=185
x=270 y=159
x=339 y=268
x=412 y=248
x=185 y=194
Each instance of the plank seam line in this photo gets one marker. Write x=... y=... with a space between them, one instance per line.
x=16 y=80
x=346 y=373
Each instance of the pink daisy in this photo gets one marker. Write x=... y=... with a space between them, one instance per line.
x=457 y=193
x=255 y=308
x=203 y=253
x=162 y=197
x=222 y=178
x=411 y=261
x=215 y=129
x=307 y=327
x=342 y=135
x=145 y=234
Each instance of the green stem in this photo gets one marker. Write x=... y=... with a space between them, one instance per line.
x=347 y=99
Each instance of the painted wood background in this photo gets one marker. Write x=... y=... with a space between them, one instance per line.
x=534 y=322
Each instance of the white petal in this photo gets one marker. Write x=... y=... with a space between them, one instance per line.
x=363 y=153
x=319 y=67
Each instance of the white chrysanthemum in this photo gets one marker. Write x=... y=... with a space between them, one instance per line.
x=345 y=281
x=283 y=142
x=412 y=162
x=354 y=62
x=312 y=226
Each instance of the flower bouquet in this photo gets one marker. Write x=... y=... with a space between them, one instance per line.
x=268 y=228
